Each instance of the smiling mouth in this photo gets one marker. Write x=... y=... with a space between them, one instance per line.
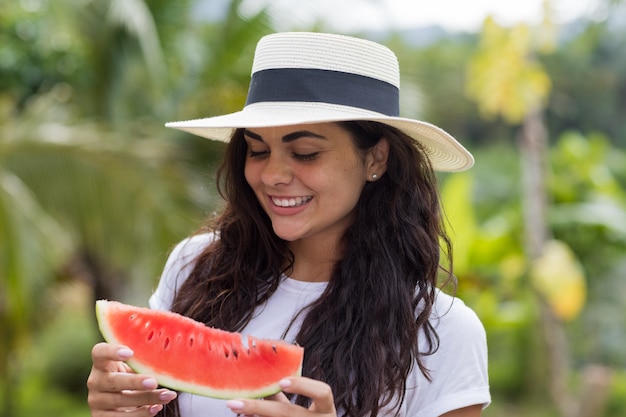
x=291 y=202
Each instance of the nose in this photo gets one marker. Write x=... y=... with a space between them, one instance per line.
x=276 y=170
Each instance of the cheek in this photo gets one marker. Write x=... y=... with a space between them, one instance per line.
x=346 y=179
x=250 y=174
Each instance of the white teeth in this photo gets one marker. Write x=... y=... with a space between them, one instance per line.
x=291 y=202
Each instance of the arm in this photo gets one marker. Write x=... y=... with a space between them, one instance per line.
x=471 y=411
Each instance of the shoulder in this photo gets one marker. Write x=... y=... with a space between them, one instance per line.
x=462 y=338
x=453 y=319
x=191 y=246
x=178 y=266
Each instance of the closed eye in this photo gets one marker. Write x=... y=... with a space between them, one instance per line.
x=305 y=157
x=260 y=154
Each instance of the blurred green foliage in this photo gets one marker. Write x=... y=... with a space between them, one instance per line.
x=94 y=191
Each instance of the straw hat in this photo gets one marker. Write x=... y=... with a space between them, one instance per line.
x=302 y=77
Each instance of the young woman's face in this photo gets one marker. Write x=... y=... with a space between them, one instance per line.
x=308 y=178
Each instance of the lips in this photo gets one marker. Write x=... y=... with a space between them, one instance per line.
x=289 y=202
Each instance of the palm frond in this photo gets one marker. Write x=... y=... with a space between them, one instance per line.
x=32 y=246
x=135 y=18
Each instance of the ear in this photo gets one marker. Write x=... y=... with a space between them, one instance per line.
x=376 y=160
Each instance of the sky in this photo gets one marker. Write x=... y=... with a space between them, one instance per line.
x=454 y=15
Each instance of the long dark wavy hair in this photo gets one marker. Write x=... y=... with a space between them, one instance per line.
x=361 y=335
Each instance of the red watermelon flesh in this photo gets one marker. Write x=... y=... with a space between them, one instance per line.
x=185 y=355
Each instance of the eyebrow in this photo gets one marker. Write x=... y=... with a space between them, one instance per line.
x=290 y=137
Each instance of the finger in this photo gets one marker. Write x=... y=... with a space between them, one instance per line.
x=103 y=354
x=110 y=374
x=256 y=408
x=319 y=392
x=126 y=368
x=144 y=411
x=280 y=397
x=129 y=400
x=264 y=408
x=103 y=381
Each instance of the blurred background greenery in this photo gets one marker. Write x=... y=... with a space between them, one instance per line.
x=94 y=191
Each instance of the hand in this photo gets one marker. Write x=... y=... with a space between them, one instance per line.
x=278 y=405
x=116 y=391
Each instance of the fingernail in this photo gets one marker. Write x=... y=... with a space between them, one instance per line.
x=150 y=383
x=284 y=383
x=234 y=404
x=155 y=409
x=125 y=353
x=167 y=396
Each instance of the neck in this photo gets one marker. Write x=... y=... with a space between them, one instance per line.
x=314 y=260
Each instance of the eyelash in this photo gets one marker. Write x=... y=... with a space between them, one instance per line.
x=253 y=154
x=299 y=157
x=307 y=157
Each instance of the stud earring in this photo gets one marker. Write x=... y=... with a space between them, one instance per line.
x=374 y=176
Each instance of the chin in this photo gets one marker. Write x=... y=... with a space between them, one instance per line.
x=288 y=235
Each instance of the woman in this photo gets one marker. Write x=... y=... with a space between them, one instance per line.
x=331 y=238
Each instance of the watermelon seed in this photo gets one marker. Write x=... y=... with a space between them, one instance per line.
x=132 y=317
x=191 y=341
x=274 y=348
x=235 y=354
x=150 y=335
x=167 y=343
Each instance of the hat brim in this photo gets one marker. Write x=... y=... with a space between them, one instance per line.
x=445 y=153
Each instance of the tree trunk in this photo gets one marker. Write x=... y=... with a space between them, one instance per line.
x=594 y=391
x=590 y=400
x=533 y=148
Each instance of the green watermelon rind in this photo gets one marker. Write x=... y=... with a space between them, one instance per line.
x=175 y=383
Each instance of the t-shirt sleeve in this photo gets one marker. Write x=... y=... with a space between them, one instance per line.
x=458 y=369
x=177 y=268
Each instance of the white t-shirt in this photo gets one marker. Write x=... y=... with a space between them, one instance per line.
x=458 y=369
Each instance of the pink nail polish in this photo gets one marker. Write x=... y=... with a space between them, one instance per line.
x=155 y=409
x=124 y=353
x=150 y=383
x=234 y=404
x=167 y=396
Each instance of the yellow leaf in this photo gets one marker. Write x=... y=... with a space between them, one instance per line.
x=559 y=278
x=503 y=78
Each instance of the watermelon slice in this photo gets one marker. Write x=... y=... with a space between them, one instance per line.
x=185 y=355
